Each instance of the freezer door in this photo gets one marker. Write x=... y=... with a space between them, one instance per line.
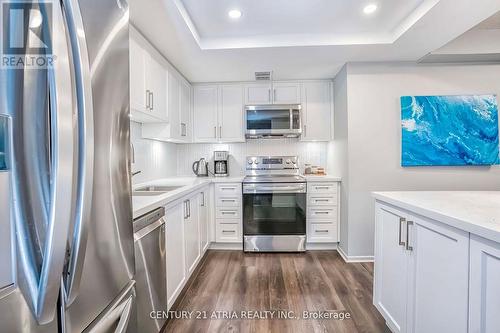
x=102 y=268
x=119 y=316
x=42 y=149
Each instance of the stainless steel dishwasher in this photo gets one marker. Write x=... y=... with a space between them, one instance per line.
x=150 y=266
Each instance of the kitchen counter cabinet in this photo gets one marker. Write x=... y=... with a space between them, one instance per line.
x=433 y=272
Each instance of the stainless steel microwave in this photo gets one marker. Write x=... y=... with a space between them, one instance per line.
x=273 y=121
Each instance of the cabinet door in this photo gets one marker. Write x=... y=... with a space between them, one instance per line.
x=176 y=271
x=205 y=113
x=258 y=94
x=484 y=285
x=391 y=267
x=174 y=106
x=191 y=234
x=157 y=84
x=286 y=93
x=316 y=111
x=203 y=204
x=231 y=113
x=438 y=277
x=138 y=94
x=185 y=117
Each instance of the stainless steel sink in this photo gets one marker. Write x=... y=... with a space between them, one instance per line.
x=157 y=188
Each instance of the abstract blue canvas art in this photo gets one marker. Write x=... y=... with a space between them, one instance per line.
x=449 y=130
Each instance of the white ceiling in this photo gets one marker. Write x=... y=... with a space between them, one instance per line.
x=267 y=23
x=164 y=23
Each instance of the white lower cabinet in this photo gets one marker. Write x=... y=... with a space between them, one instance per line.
x=187 y=239
x=421 y=272
x=203 y=216
x=484 y=286
x=191 y=233
x=322 y=212
x=176 y=271
x=228 y=213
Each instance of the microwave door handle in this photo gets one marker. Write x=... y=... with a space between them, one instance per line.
x=86 y=148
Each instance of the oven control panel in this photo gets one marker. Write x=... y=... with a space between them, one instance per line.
x=272 y=163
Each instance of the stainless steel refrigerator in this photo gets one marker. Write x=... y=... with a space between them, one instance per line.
x=66 y=236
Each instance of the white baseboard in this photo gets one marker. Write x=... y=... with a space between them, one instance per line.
x=226 y=246
x=321 y=246
x=350 y=259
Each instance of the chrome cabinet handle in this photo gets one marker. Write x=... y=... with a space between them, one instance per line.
x=228 y=212
x=220 y=132
x=189 y=208
x=215 y=132
x=152 y=100
x=269 y=95
x=321 y=200
x=185 y=209
x=322 y=187
x=203 y=199
x=322 y=230
x=408 y=247
x=402 y=220
x=305 y=130
x=228 y=231
x=324 y=213
x=274 y=94
x=228 y=200
x=147 y=99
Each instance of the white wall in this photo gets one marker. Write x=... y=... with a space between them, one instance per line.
x=374 y=137
x=308 y=152
x=154 y=159
x=337 y=151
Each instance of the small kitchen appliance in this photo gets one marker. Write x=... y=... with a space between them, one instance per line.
x=221 y=163
x=274 y=205
x=200 y=168
x=273 y=121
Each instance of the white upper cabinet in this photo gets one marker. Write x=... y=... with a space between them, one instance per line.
x=148 y=84
x=185 y=109
x=174 y=105
x=156 y=80
x=286 y=93
x=218 y=113
x=205 y=127
x=317 y=111
x=258 y=93
x=230 y=115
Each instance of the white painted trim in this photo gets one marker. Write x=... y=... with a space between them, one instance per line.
x=351 y=259
x=226 y=246
x=321 y=246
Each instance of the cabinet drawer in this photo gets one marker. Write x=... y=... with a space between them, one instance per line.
x=228 y=213
x=321 y=233
x=322 y=188
x=228 y=233
x=228 y=202
x=327 y=213
x=228 y=190
x=322 y=200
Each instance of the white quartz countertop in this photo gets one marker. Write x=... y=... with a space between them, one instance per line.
x=144 y=204
x=477 y=212
x=327 y=178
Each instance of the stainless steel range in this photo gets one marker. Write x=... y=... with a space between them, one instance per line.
x=274 y=205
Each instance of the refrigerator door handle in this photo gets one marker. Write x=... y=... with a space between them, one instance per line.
x=85 y=172
x=43 y=287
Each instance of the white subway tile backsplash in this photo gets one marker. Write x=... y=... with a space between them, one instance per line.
x=308 y=152
x=155 y=159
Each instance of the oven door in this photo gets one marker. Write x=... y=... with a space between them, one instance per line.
x=274 y=209
x=280 y=120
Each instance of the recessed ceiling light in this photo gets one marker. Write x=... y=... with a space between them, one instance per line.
x=234 y=13
x=370 y=9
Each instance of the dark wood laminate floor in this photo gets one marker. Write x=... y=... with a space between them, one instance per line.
x=313 y=281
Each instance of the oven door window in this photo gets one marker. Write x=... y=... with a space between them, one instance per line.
x=268 y=119
x=274 y=214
